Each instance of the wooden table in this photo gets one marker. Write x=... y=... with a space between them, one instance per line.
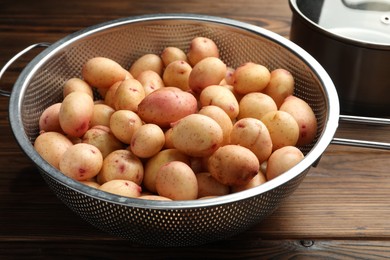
x=341 y=210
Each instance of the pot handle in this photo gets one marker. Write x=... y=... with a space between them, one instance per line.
x=7 y=93
x=363 y=143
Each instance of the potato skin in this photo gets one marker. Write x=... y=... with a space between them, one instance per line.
x=76 y=84
x=123 y=124
x=256 y=181
x=101 y=115
x=171 y=54
x=208 y=186
x=128 y=95
x=176 y=74
x=102 y=137
x=256 y=105
x=149 y=61
x=49 y=120
x=282 y=160
x=150 y=81
x=222 y=97
x=233 y=165
x=122 y=188
x=280 y=86
x=147 y=140
x=250 y=77
x=200 y=48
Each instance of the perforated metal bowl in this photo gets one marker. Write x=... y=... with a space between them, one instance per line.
x=179 y=223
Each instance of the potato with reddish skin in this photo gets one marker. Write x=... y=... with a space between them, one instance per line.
x=254 y=135
x=101 y=115
x=167 y=105
x=123 y=124
x=148 y=61
x=222 y=97
x=197 y=135
x=51 y=146
x=209 y=71
x=282 y=127
x=250 y=77
x=121 y=165
x=282 y=160
x=256 y=105
x=103 y=72
x=81 y=162
x=233 y=165
x=208 y=186
x=147 y=140
x=177 y=181
x=222 y=118
x=122 y=188
x=76 y=84
x=49 y=120
x=171 y=54
x=150 y=81
x=128 y=95
x=280 y=86
x=256 y=181
x=177 y=74
x=102 y=137
x=201 y=48
x=76 y=113
x=305 y=117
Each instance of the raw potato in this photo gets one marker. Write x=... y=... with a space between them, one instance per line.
x=101 y=115
x=147 y=140
x=81 y=162
x=177 y=181
x=176 y=74
x=154 y=164
x=148 y=61
x=103 y=72
x=51 y=146
x=76 y=84
x=197 y=135
x=280 y=86
x=283 y=128
x=254 y=135
x=256 y=181
x=167 y=105
x=102 y=137
x=91 y=184
x=128 y=95
x=304 y=116
x=282 y=160
x=222 y=97
x=171 y=54
x=150 y=81
x=154 y=197
x=222 y=118
x=233 y=165
x=76 y=113
x=122 y=188
x=209 y=71
x=200 y=48
x=256 y=105
x=49 y=120
x=250 y=77
x=208 y=186
x=123 y=124
x=109 y=97
x=123 y=165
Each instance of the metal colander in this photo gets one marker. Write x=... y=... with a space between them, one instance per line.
x=170 y=223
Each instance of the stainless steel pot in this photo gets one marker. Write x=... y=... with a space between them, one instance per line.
x=351 y=40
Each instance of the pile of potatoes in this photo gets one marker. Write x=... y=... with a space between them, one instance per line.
x=176 y=125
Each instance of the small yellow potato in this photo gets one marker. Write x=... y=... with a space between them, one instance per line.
x=148 y=61
x=147 y=140
x=150 y=81
x=123 y=188
x=123 y=124
x=171 y=54
x=222 y=97
x=197 y=135
x=282 y=160
x=228 y=80
x=76 y=84
x=128 y=95
x=154 y=163
x=154 y=197
x=304 y=116
x=102 y=137
x=254 y=135
x=101 y=72
x=256 y=181
x=177 y=74
x=49 y=119
x=282 y=127
x=256 y=105
x=280 y=86
x=233 y=165
x=222 y=118
x=250 y=77
x=167 y=105
x=101 y=115
x=92 y=184
x=76 y=113
x=109 y=97
x=200 y=48
x=81 y=162
x=177 y=181
x=51 y=146
x=168 y=139
x=121 y=165
x=209 y=71
x=208 y=186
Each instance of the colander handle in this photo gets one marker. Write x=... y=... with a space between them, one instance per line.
x=363 y=143
x=7 y=93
